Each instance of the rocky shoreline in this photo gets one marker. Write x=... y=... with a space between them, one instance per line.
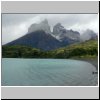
x=93 y=61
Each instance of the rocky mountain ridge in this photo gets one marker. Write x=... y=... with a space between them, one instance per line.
x=40 y=36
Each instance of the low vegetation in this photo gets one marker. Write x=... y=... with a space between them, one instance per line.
x=88 y=49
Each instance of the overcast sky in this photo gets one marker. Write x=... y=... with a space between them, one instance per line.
x=16 y=25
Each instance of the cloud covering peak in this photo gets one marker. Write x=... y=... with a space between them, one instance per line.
x=16 y=25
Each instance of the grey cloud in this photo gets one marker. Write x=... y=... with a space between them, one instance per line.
x=11 y=19
x=16 y=25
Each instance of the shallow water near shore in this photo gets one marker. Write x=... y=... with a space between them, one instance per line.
x=47 y=72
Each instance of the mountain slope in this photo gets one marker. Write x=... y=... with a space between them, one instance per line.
x=37 y=39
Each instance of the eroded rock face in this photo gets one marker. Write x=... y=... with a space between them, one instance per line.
x=41 y=26
x=58 y=29
x=63 y=35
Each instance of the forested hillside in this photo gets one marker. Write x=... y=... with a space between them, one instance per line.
x=88 y=49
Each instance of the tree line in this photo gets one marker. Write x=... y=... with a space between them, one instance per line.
x=85 y=49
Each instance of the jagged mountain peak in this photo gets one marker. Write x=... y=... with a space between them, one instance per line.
x=89 y=31
x=64 y=35
x=45 y=21
x=59 y=25
x=88 y=34
x=40 y=26
x=58 y=29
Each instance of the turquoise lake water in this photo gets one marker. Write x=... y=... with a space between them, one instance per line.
x=47 y=72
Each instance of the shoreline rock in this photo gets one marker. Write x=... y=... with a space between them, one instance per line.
x=93 y=61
